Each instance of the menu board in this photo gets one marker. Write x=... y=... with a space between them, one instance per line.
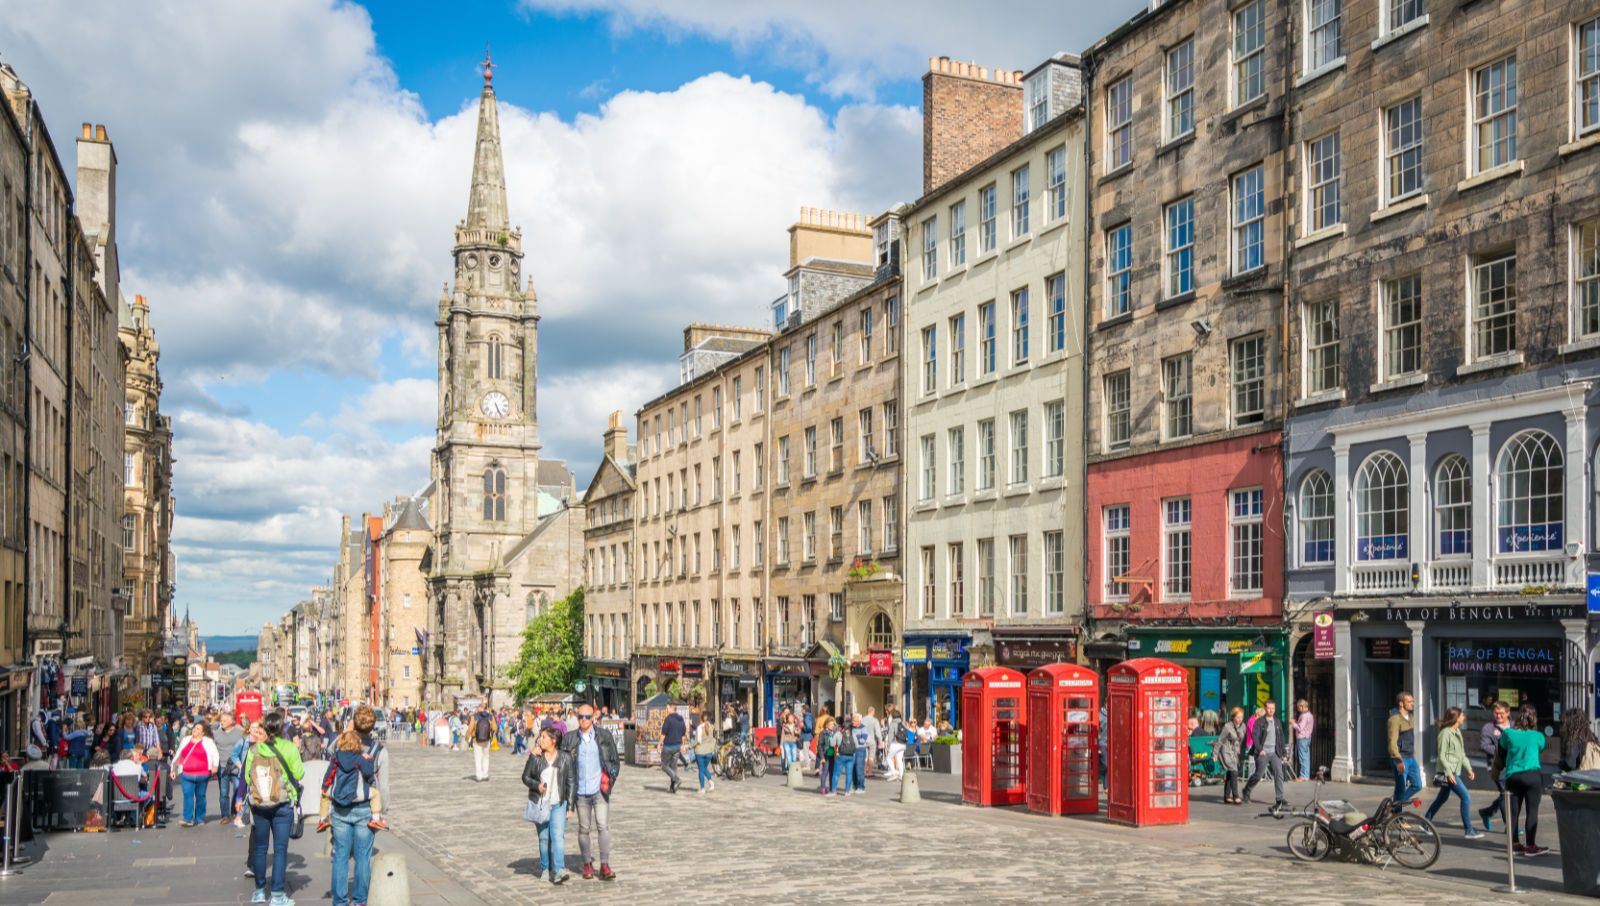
x=647 y=728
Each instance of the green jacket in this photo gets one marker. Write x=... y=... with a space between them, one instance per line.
x=287 y=752
x=1519 y=751
x=1452 y=757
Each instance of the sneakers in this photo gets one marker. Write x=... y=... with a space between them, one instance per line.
x=1487 y=817
x=279 y=899
x=588 y=871
x=672 y=786
x=606 y=874
x=1535 y=850
x=260 y=896
x=1519 y=849
x=560 y=879
x=186 y=824
x=1474 y=835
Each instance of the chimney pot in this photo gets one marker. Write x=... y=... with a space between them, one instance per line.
x=86 y=132
x=100 y=133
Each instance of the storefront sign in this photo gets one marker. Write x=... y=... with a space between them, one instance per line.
x=736 y=668
x=789 y=669
x=880 y=663
x=918 y=654
x=1025 y=654
x=1515 y=658
x=613 y=672
x=1524 y=538
x=1464 y=613
x=1196 y=647
x=693 y=669
x=858 y=668
x=1383 y=547
x=80 y=686
x=1322 y=645
x=1388 y=649
x=1253 y=662
x=1594 y=594
x=667 y=666
x=947 y=651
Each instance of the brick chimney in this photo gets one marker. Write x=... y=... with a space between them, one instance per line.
x=615 y=440
x=968 y=113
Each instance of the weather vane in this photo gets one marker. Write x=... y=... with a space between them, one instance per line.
x=488 y=64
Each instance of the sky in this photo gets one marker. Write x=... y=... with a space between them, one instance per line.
x=290 y=174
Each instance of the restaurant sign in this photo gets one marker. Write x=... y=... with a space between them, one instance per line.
x=1465 y=613
x=1514 y=658
x=880 y=663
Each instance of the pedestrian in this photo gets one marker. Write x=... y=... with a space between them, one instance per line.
x=349 y=796
x=874 y=731
x=705 y=751
x=789 y=737
x=482 y=736
x=897 y=745
x=1518 y=760
x=844 y=756
x=273 y=771
x=672 y=733
x=864 y=744
x=1268 y=747
x=551 y=779
x=593 y=751
x=1228 y=751
x=193 y=765
x=1402 y=733
x=1303 y=725
x=808 y=730
x=1580 y=750
x=1489 y=747
x=1450 y=763
x=235 y=805
x=824 y=741
x=226 y=740
x=455 y=731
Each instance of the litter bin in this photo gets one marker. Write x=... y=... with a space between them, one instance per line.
x=1578 y=825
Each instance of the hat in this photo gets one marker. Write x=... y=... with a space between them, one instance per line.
x=34 y=753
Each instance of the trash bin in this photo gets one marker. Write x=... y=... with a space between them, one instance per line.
x=1578 y=826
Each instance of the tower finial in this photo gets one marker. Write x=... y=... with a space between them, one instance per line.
x=488 y=65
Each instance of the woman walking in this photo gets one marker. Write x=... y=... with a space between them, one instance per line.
x=193 y=768
x=1518 y=759
x=1450 y=764
x=789 y=737
x=273 y=770
x=1228 y=750
x=825 y=753
x=705 y=751
x=551 y=777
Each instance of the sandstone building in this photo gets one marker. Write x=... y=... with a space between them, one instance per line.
x=609 y=562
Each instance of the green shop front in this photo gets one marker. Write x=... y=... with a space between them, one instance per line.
x=1228 y=666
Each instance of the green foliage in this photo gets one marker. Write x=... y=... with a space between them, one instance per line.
x=947 y=740
x=651 y=689
x=237 y=658
x=551 y=658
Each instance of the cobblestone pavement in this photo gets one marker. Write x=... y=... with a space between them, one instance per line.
x=757 y=841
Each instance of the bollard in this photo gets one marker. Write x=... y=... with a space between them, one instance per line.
x=1510 y=886
x=9 y=817
x=796 y=779
x=391 y=883
x=909 y=791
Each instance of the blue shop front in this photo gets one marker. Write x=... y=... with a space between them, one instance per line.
x=934 y=666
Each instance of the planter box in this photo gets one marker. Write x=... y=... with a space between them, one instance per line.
x=945 y=759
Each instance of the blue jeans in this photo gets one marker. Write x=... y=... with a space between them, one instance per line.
x=275 y=820
x=1460 y=789
x=225 y=784
x=842 y=767
x=194 y=797
x=1302 y=757
x=858 y=771
x=703 y=764
x=791 y=754
x=553 y=842
x=1407 y=780
x=351 y=837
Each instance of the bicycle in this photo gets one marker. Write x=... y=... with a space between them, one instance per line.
x=1391 y=833
x=738 y=758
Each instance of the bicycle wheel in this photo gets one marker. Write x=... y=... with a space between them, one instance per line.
x=758 y=763
x=735 y=767
x=1309 y=842
x=1411 y=840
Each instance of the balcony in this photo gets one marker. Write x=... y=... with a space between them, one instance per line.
x=1504 y=573
x=1519 y=572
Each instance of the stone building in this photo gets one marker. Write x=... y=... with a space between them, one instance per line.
x=1187 y=270
x=348 y=624
x=993 y=384
x=609 y=561
x=1444 y=328
x=146 y=530
x=15 y=659
x=404 y=601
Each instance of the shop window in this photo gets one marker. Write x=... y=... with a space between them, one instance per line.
x=1382 y=508
x=1530 y=478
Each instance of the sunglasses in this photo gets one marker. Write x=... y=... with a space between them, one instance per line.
x=586 y=717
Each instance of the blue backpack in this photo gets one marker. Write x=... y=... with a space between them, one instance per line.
x=351 y=775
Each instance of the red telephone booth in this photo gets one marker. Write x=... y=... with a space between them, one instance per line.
x=995 y=711
x=1147 y=747
x=1063 y=740
x=247 y=704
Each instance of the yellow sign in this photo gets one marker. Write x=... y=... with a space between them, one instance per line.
x=919 y=653
x=1173 y=646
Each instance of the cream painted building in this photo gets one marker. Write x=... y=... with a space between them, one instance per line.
x=993 y=375
x=609 y=558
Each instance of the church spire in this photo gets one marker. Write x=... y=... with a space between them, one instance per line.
x=486 y=207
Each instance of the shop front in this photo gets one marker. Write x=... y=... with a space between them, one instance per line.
x=1455 y=655
x=606 y=684
x=1228 y=667
x=1025 y=649
x=870 y=682
x=935 y=666
x=738 y=683
x=790 y=681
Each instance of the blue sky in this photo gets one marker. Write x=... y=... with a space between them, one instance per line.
x=290 y=173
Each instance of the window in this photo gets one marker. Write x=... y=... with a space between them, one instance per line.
x=1402 y=149
x=1180 y=247
x=1322 y=346
x=496 y=359
x=783 y=540
x=986 y=454
x=808 y=536
x=836 y=606
x=810 y=450
x=929 y=467
x=1530 y=481
x=1055 y=439
x=737 y=481
x=1178 y=394
x=891 y=325
x=865 y=333
x=1246 y=554
x=1249 y=219
x=716 y=477
x=930 y=359
x=1119 y=123
x=1117 y=551
x=494 y=494
x=956 y=448
x=1249 y=379
x=698 y=419
x=1249 y=53
x=1019 y=202
x=1494 y=115
x=1119 y=268
x=1055 y=573
x=958 y=350
x=929 y=592
x=783 y=371
x=1322 y=175
x=864 y=527
x=738 y=398
x=1586 y=278
x=1055 y=289
x=1056 y=166
x=811 y=359
x=1587 y=86
x=1119 y=415
x=760 y=460
x=1383 y=501
x=1402 y=326
x=759 y=542
x=1324 y=38
x=836 y=346
x=880 y=633
x=760 y=397
x=987 y=359
x=930 y=248
x=891 y=523
x=836 y=444
x=1019 y=326
x=1494 y=309
x=1019 y=447
x=130 y=524
x=1402 y=12
x=1452 y=507
x=1176 y=549
x=808 y=619
x=783 y=460
x=868 y=452
x=1037 y=100
x=1316 y=519
x=985 y=577
x=891 y=428
x=986 y=219
x=1018 y=563
x=734 y=536
x=958 y=234
x=956 y=569
x=1180 y=90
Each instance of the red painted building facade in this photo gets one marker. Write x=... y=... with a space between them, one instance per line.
x=374 y=602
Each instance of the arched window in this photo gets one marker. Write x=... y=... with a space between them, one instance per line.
x=1531 y=480
x=494 y=494
x=1382 y=508
x=880 y=632
x=1316 y=518
x=496 y=362
x=1452 y=506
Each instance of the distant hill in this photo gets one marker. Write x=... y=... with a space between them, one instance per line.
x=237 y=658
x=218 y=644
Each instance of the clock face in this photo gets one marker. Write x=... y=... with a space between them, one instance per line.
x=472 y=261
x=495 y=404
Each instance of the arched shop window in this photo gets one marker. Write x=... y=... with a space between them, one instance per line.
x=1452 y=507
x=1316 y=518
x=1382 y=508
x=880 y=632
x=1530 y=479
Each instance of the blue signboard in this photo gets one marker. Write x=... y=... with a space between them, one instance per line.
x=1383 y=547
x=1594 y=595
x=415 y=650
x=1514 y=539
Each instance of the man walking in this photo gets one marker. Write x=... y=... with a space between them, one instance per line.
x=1268 y=745
x=870 y=722
x=482 y=736
x=672 y=733
x=594 y=751
x=227 y=739
x=1403 y=750
x=1489 y=746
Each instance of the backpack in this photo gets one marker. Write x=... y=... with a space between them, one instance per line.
x=482 y=729
x=268 y=782
x=348 y=784
x=847 y=741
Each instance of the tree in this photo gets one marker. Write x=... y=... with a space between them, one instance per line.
x=551 y=657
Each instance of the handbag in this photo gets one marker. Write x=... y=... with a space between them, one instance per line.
x=537 y=811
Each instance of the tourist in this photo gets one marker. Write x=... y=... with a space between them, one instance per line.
x=873 y=739
x=865 y=747
x=1518 y=760
x=789 y=737
x=705 y=751
x=672 y=733
x=808 y=731
x=824 y=742
x=1403 y=749
x=593 y=753
x=455 y=731
x=227 y=739
x=78 y=740
x=193 y=765
x=348 y=794
x=1228 y=750
x=926 y=733
x=896 y=728
x=1580 y=750
x=1268 y=746
x=551 y=779
x=272 y=770
x=483 y=730
x=1450 y=763
x=844 y=756
x=1303 y=725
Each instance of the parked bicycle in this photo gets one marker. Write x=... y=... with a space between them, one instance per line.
x=1390 y=833
x=738 y=758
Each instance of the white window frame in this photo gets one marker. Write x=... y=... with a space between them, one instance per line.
x=1402 y=150
x=1177 y=260
x=986 y=454
x=1249 y=219
x=1246 y=528
x=930 y=248
x=956 y=578
x=1249 y=53
x=1055 y=166
x=1017 y=566
x=1177 y=393
x=988 y=342
x=1315 y=517
x=1321 y=353
x=988 y=230
x=1585 y=280
x=809 y=451
x=1119 y=123
x=930 y=359
x=1494 y=301
x=1055 y=572
x=1177 y=80
x=930 y=591
x=1116 y=530
x=1484 y=121
x=1177 y=537
x=1119 y=271
x=1324 y=170
x=1394 y=331
x=863 y=526
x=1018 y=438
x=986 y=577
x=1241 y=381
x=1329 y=32
x=1021 y=195
x=956 y=459
x=958 y=234
x=1020 y=346
x=1452 y=500
x=1055 y=439
x=1585 y=78
x=1118 y=388
x=958 y=349
x=1055 y=291
x=930 y=469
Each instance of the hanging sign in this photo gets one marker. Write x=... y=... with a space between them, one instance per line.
x=1322 y=645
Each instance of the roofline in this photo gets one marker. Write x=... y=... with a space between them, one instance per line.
x=1049 y=128
x=594 y=482
x=1139 y=20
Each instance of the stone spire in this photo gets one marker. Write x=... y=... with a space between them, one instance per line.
x=486 y=207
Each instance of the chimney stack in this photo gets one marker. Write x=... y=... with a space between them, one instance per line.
x=615 y=440
x=968 y=114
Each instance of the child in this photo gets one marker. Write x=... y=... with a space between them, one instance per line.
x=371 y=754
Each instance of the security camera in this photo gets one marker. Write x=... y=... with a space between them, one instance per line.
x=1202 y=326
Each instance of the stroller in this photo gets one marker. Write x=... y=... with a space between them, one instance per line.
x=1203 y=767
